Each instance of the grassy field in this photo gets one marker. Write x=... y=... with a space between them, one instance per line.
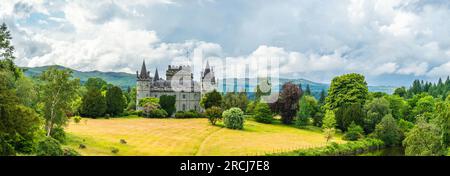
x=185 y=137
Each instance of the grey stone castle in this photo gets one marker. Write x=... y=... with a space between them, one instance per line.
x=179 y=82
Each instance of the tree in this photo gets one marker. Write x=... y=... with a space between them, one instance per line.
x=57 y=91
x=93 y=104
x=308 y=107
x=401 y=92
x=49 y=147
x=442 y=120
x=354 y=132
x=263 y=113
x=346 y=89
x=115 y=102
x=149 y=105
x=388 y=131
x=167 y=103
x=424 y=140
x=211 y=99
x=214 y=114
x=7 y=52
x=308 y=90
x=287 y=103
x=424 y=105
x=376 y=110
x=348 y=114
x=322 y=97
x=398 y=106
x=96 y=83
x=233 y=118
x=328 y=125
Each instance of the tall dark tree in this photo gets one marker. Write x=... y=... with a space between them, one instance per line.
x=7 y=52
x=167 y=103
x=287 y=103
x=97 y=83
x=93 y=104
x=322 y=97
x=211 y=99
x=115 y=101
x=401 y=91
x=308 y=90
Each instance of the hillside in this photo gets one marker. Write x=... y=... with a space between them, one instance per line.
x=125 y=80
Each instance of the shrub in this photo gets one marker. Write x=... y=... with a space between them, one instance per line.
x=189 y=114
x=263 y=113
x=115 y=150
x=354 y=132
x=77 y=119
x=58 y=134
x=49 y=147
x=214 y=113
x=70 y=152
x=157 y=113
x=233 y=118
x=5 y=148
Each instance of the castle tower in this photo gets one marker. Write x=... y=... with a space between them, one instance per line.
x=208 y=79
x=142 y=85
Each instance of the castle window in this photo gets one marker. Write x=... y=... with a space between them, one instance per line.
x=184 y=96
x=184 y=107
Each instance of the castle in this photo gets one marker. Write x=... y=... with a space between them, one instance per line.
x=179 y=82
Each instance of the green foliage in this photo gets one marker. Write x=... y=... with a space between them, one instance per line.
x=354 y=132
x=211 y=99
x=346 y=89
x=168 y=104
x=405 y=126
x=233 y=118
x=348 y=114
x=329 y=121
x=263 y=113
x=287 y=103
x=49 y=147
x=95 y=83
x=115 y=102
x=59 y=134
x=77 y=119
x=401 y=92
x=235 y=100
x=214 y=114
x=57 y=91
x=189 y=114
x=334 y=149
x=398 y=106
x=251 y=107
x=424 y=139
x=388 y=131
x=308 y=107
x=323 y=97
x=442 y=120
x=93 y=104
x=156 y=113
x=376 y=110
x=70 y=152
x=149 y=100
x=424 y=105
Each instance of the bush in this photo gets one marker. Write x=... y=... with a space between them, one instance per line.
x=115 y=150
x=263 y=113
x=59 y=134
x=5 y=148
x=49 y=147
x=157 y=113
x=168 y=103
x=233 y=118
x=77 y=119
x=354 y=132
x=70 y=152
x=334 y=149
x=189 y=114
x=214 y=113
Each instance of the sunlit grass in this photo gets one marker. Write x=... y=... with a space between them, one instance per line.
x=186 y=137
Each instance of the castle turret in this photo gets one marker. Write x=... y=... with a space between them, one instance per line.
x=208 y=79
x=156 y=75
x=142 y=84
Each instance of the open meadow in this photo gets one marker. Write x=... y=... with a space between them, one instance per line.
x=152 y=137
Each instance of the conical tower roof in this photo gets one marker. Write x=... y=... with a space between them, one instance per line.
x=144 y=73
x=156 y=75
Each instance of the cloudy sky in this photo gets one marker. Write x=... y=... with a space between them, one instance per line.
x=391 y=42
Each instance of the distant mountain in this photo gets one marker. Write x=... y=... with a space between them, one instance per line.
x=125 y=80
x=117 y=78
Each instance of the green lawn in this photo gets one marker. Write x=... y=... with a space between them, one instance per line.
x=186 y=137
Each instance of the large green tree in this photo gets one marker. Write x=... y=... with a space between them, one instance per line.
x=346 y=89
x=93 y=103
x=425 y=139
x=115 y=102
x=211 y=99
x=388 y=131
x=376 y=110
x=57 y=91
